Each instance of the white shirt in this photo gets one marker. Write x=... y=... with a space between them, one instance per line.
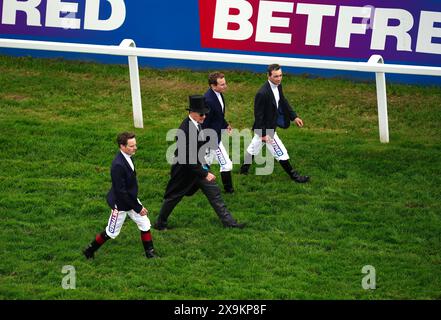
x=200 y=134
x=275 y=92
x=129 y=160
x=194 y=122
x=219 y=97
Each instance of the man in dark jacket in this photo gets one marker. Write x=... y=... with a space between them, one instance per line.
x=272 y=110
x=216 y=121
x=123 y=199
x=189 y=173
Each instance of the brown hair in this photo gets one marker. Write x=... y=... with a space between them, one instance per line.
x=273 y=67
x=212 y=77
x=124 y=137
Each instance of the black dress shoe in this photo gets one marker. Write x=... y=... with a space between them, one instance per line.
x=150 y=254
x=88 y=253
x=160 y=226
x=244 y=169
x=229 y=190
x=298 y=178
x=235 y=225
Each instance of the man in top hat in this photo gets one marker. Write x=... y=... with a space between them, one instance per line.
x=189 y=173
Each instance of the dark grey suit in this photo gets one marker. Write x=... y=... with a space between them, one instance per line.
x=186 y=178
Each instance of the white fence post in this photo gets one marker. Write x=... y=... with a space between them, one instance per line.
x=380 y=78
x=134 y=84
x=128 y=48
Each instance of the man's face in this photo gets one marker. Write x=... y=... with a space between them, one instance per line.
x=221 y=85
x=276 y=77
x=130 y=148
x=198 y=117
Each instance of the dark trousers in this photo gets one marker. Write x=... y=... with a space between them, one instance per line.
x=213 y=194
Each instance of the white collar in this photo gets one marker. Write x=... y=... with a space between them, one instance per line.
x=194 y=122
x=129 y=159
x=273 y=86
x=125 y=154
x=217 y=93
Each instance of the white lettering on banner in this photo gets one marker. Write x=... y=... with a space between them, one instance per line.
x=266 y=21
x=315 y=13
x=10 y=8
x=69 y=10
x=427 y=31
x=238 y=13
x=346 y=27
x=91 y=19
x=53 y=18
x=223 y=18
x=381 y=29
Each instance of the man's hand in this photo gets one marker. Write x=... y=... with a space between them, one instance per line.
x=266 y=139
x=229 y=129
x=299 y=122
x=210 y=177
x=144 y=212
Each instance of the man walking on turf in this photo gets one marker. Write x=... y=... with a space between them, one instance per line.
x=123 y=199
x=215 y=120
x=272 y=110
x=189 y=173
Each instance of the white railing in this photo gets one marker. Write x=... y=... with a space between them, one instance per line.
x=129 y=49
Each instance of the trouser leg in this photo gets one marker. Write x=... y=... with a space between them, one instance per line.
x=293 y=174
x=227 y=181
x=286 y=166
x=225 y=167
x=147 y=242
x=246 y=163
x=168 y=205
x=213 y=194
x=95 y=244
x=253 y=149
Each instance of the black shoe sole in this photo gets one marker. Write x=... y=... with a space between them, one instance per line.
x=160 y=228
x=301 y=181
x=88 y=257
x=239 y=226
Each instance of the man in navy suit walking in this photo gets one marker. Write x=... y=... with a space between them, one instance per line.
x=215 y=120
x=123 y=199
x=271 y=111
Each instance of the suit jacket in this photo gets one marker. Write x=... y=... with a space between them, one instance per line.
x=188 y=168
x=265 y=110
x=124 y=191
x=216 y=117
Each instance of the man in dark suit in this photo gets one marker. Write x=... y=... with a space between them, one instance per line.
x=272 y=110
x=215 y=120
x=123 y=199
x=189 y=172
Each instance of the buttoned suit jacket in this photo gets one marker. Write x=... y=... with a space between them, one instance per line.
x=265 y=110
x=123 y=194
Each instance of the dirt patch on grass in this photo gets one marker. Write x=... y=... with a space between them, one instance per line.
x=16 y=97
x=22 y=72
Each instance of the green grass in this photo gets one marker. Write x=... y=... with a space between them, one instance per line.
x=367 y=204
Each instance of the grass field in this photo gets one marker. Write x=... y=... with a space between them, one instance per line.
x=367 y=204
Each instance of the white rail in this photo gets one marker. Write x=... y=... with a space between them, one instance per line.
x=129 y=49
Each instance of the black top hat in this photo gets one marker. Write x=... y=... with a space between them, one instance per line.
x=197 y=104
